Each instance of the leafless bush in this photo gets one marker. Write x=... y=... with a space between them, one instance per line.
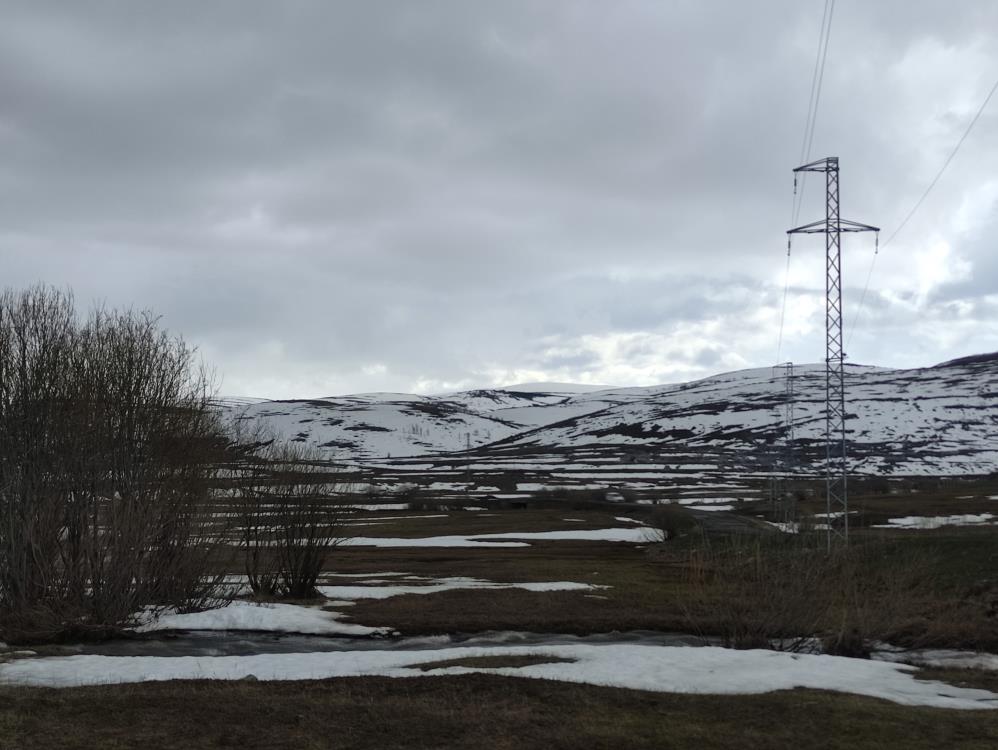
x=108 y=449
x=290 y=520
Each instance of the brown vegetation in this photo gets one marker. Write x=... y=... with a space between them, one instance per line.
x=108 y=448
x=289 y=520
x=479 y=712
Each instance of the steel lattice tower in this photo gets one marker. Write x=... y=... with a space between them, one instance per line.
x=789 y=502
x=836 y=464
x=783 y=456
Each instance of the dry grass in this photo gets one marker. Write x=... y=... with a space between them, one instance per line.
x=917 y=590
x=647 y=590
x=482 y=712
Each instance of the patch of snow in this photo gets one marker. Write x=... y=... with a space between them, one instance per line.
x=935 y=522
x=675 y=669
x=283 y=618
x=431 y=541
x=711 y=507
x=367 y=575
x=634 y=535
x=447 y=584
x=395 y=518
x=708 y=500
x=380 y=506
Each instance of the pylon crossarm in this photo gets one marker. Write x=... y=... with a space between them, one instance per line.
x=821 y=226
x=821 y=165
x=815 y=227
x=854 y=226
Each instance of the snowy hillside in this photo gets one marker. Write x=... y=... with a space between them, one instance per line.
x=938 y=420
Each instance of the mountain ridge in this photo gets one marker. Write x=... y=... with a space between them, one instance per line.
x=936 y=420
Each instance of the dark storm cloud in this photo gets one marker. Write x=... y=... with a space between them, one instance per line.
x=333 y=196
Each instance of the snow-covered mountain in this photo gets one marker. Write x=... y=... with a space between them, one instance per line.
x=937 y=420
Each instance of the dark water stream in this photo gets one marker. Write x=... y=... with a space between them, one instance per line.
x=232 y=643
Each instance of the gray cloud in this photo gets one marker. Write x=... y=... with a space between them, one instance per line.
x=337 y=196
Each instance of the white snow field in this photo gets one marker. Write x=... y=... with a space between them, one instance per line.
x=706 y=670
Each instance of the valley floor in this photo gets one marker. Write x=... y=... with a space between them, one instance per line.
x=474 y=711
x=556 y=573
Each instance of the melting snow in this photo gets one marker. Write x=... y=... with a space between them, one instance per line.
x=707 y=670
x=633 y=535
x=285 y=618
x=447 y=584
x=935 y=522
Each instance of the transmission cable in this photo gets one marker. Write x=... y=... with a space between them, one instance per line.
x=783 y=309
x=919 y=202
x=817 y=78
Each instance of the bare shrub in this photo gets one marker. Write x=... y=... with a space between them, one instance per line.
x=108 y=451
x=290 y=519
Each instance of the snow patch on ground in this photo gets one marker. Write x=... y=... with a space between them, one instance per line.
x=380 y=506
x=711 y=507
x=283 y=618
x=935 y=522
x=447 y=584
x=638 y=535
x=368 y=575
x=707 y=670
x=708 y=500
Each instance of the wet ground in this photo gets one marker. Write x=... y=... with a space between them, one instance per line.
x=230 y=643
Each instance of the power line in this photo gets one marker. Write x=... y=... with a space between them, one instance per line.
x=918 y=203
x=783 y=310
x=866 y=287
x=945 y=164
x=814 y=81
x=817 y=79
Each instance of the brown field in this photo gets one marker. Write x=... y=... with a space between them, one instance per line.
x=473 y=711
x=650 y=586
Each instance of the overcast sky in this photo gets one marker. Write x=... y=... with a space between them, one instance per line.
x=332 y=197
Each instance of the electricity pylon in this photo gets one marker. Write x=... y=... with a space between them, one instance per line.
x=832 y=226
x=783 y=501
